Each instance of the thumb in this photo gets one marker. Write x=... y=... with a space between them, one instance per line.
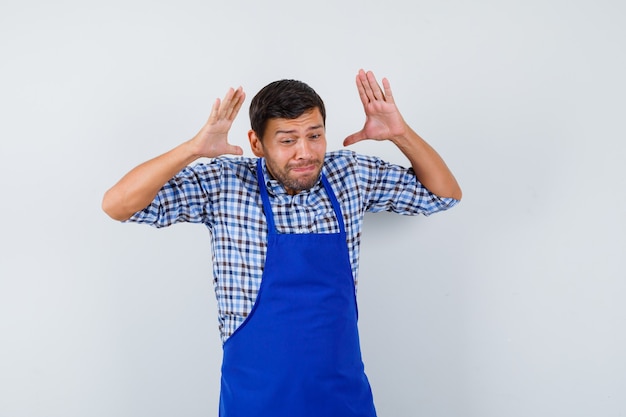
x=354 y=138
x=234 y=150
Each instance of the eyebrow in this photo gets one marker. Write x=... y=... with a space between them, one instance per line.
x=287 y=132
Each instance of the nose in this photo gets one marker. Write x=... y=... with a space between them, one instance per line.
x=303 y=149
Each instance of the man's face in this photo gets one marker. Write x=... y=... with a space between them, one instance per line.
x=293 y=149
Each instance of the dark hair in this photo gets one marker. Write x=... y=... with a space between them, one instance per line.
x=284 y=99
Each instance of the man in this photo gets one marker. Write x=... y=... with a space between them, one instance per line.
x=285 y=237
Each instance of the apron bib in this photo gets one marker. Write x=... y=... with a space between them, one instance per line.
x=297 y=354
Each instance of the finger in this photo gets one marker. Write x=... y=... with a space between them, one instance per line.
x=362 y=94
x=236 y=104
x=234 y=150
x=227 y=102
x=388 y=94
x=354 y=138
x=214 y=111
x=373 y=85
x=366 y=86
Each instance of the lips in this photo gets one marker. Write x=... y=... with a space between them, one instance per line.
x=305 y=167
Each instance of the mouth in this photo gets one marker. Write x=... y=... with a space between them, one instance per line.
x=307 y=167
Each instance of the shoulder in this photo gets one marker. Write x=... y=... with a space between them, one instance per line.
x=339 y=164
x=347 y=169
x=223 y=165
x=222 y=173
x=338 y=160
x=341 y=161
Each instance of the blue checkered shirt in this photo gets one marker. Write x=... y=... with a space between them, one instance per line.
x=223 y=194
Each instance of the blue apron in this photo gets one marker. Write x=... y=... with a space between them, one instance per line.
x=298 y=353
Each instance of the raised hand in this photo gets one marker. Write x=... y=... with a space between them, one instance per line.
x=212 y=140
x=383 y=121
x=138 y=187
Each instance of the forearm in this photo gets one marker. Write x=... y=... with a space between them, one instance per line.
x=137 y=189
x=430 y=169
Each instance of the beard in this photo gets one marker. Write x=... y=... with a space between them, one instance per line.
x=294 y=182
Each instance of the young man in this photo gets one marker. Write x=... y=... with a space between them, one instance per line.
x=285 y=237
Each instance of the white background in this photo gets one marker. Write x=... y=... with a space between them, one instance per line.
x=510 y=304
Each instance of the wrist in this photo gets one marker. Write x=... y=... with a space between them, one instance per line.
x=191 y=150
x=405 y=138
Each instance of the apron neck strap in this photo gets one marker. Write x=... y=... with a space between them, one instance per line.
x=267 y=208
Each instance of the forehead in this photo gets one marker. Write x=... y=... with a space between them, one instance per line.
x=308 y=120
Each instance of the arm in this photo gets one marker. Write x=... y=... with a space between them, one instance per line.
x=138 y=188
x=384 y=122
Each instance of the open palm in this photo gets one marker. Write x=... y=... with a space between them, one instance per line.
x=212 y=140
x=382 y=118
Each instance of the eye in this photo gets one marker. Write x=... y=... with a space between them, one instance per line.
x=287 y=141
x=315 y=136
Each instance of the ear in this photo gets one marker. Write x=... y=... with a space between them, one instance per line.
x=255 y=144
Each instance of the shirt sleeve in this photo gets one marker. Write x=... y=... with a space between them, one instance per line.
x=390 y=187
x=187 y=197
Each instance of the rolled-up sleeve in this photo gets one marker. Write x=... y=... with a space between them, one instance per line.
x=390 y=187
x=187 y=197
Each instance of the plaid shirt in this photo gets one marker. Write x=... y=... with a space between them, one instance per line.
x=223 y=194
